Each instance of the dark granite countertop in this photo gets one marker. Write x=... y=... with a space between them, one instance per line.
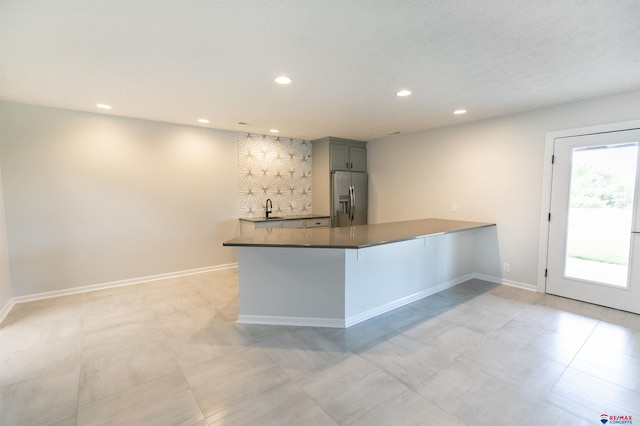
x=352 y=237
x=296 y=217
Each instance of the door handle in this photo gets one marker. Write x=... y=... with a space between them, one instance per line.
x=353 y=204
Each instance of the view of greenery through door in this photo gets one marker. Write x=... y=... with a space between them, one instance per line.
x=603 y=180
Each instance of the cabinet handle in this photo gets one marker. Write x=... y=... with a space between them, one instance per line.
x=352 y=165
x=347 y=165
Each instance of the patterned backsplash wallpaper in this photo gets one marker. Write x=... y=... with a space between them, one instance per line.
x=275 y=168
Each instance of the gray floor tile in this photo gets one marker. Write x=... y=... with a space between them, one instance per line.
x=511 y=405
x=359 y=335
x=588 y=397
x=207 y=344
x=532 y=373
x=239 y=376
x=351 y=388
x=548 y=344
x=301 y=351
x=103 y=376
x=407 y=360
x=461 y=390
x=164 y=401
x=185 y=324
x=50 y=398
x=407 y=409
x=563 y=322
x=609 y=365
x=105 y=341
x=616 y=338
x=39 y=359
x=169 y=352
x=285 y=404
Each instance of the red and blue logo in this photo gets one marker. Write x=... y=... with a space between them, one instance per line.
x=616 y=420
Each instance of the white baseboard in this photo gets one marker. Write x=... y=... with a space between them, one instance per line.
x=121 y=283
x=355 y=319
x=363 y=316
x=500 y=280
x=6 y=309
x=292 y=321
x=265 y=319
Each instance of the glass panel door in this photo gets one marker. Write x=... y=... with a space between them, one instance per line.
x=603 y=184
x=594 y=238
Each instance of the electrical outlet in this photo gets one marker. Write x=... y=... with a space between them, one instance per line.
x=454 y=207
x=360 y=255
x=506 y=267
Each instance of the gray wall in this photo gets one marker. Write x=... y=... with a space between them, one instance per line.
x=92 y=199
x=5 y=277
x=491 y=169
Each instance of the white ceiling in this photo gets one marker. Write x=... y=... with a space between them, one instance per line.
x=177 y=61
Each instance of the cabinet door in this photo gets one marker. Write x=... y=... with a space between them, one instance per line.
x=339 y=157
x=295 y=224
x=269 y=224
x=358 y=159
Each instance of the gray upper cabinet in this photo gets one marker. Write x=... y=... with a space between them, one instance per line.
x=339 y=156
x=347 y=155
x=358 y=158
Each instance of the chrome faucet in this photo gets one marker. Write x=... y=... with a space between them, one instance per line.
x=268 y=208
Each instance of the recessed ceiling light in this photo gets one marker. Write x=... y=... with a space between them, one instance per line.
x=274 y=131
x=283 y=79
x=103 y=106
x=403 y=92
x=460 y=111
x=203 y=120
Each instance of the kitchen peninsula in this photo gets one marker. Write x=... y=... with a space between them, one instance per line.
x=338 y=277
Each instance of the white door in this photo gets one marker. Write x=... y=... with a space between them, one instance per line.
x=594 y=229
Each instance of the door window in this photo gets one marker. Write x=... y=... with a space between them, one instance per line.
x=601 y=213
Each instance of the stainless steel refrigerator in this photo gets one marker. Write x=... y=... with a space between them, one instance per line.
x=348 y=198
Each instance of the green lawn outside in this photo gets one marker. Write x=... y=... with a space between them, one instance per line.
x=600 y=235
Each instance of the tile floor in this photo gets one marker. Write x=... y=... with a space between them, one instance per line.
x=169 y=353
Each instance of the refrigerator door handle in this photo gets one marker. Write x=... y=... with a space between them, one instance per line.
x=353 y=202
x=350 y=201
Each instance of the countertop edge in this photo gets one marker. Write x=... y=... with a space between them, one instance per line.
x=478 y=225
x=279 y=218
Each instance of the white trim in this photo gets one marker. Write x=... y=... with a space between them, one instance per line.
x=599 y=128
x=510 y=283
x=267 y=319
x=547 y=180
x=6 y=309
x=348 y=322
x=291 y=321
x=121 y=283
x=363 y=316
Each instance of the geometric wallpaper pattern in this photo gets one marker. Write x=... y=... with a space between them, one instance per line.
x=275 y=168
